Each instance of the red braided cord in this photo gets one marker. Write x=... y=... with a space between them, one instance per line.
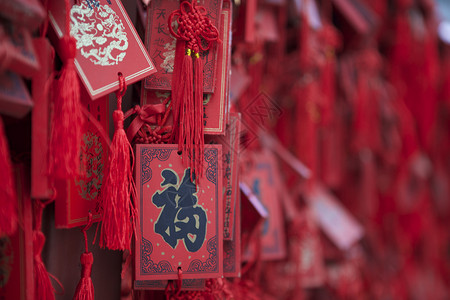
x=88 y=225
x=121 y=92
x=193 y=26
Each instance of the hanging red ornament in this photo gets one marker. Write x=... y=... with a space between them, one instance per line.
x=43 y=289
x=67 y=118
x=149 y=125
x=85 y=288
x=119 y=213
x=199 y=34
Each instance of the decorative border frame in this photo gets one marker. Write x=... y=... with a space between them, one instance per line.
x=187 y=284
x=146 y=265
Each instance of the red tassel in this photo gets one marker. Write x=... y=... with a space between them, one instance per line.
x=43 y=289
x=177 y=84
x=172 y=292
x=8 y=199
x=119 y=213
x=85 y=287
x=187 y=87
x=185 y=103
x=199 y=141
x=67 y=119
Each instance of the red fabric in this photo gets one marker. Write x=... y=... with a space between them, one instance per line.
x=145 y=114
x=8 y=197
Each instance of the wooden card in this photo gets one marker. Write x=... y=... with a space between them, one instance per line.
x=161 y=44
x=107 y=43
x=180 y=223
x=215 y=105
x=76 y=197
x=261 y=178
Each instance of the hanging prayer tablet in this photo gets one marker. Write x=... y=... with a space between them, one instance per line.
x=214 y=109
x=106 y=42
x=161 y=44
x=76 y=197
x=180 y=219
x=262 y=179
x=216 y=105
x=232 y=248
x=230 y=149
x=333 y=218
x=231 y=196
x=255 y=215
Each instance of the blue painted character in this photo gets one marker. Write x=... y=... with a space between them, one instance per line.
x=167 y=199
x=181 y=217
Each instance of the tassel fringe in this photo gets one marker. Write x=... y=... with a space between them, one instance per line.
x=85 y=288
x=119 y=213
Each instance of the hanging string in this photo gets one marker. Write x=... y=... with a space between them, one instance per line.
x=170 y=291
